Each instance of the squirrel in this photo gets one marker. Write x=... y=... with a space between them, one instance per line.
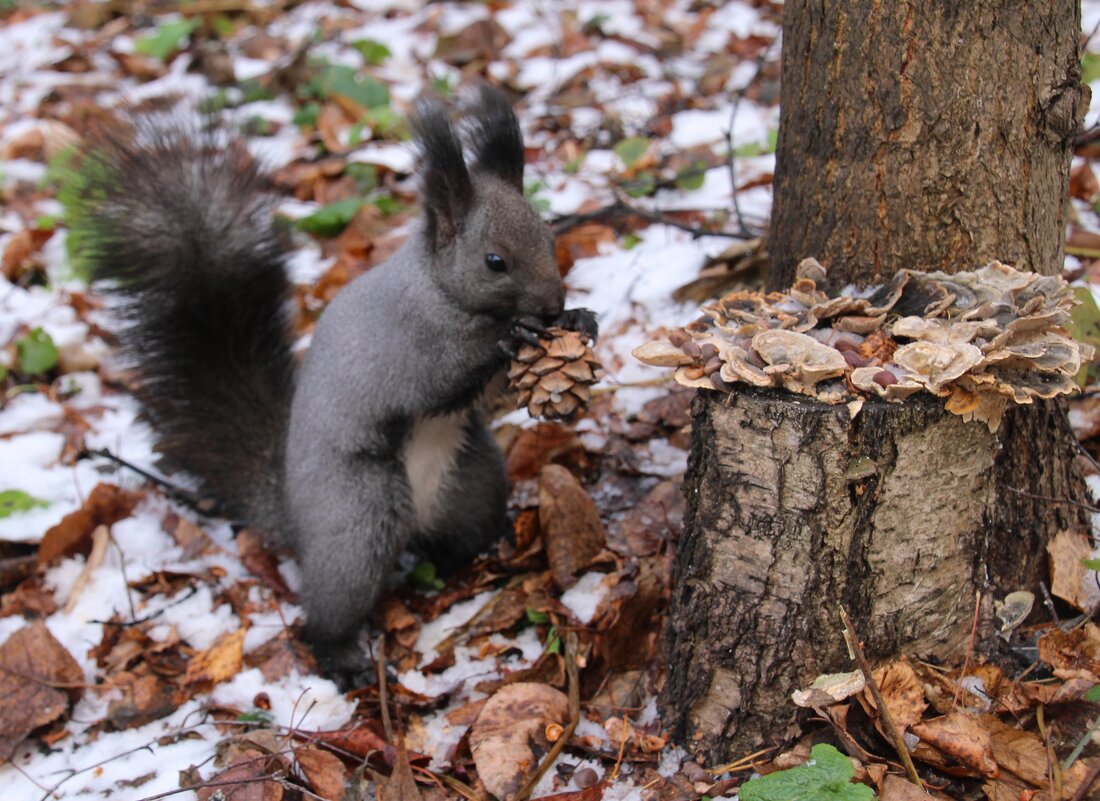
x=378 y=443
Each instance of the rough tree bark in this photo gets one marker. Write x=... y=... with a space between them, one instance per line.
x=929 y=135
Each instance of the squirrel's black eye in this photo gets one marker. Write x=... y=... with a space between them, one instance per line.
x=495 y=263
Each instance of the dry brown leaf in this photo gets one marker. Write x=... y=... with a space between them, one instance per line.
x=1021 y=752
x=902 y=693
x=1082 y=182
x=106 y=505
x=38 y=678
x=246 y=779
x=658 y=517
x=961 y=737
x=401 y=785
x=829 y=689
x=895 y=788
x=1068 y=576
x=536 y=446
x=570 y=524
x=324 y=771
x=509 y=736
x=145 y=699
x=582 y=242
x=261 y=562
x=279 y=656
x=1072 y=653
x=219 y=662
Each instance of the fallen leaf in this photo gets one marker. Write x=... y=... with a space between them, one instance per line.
x=961 y=737
x=830 y=689
x=1021 y=752
x=323 y=770
x=509 y=736
x=901 y=691
x=895 y=788
x=1071 y=652
x=219 y=662
x=401 y=785
x=262 y=563
x=247 y=778
x=570 y=524
x=38 y=678
x=536 y=446
x=105 y=506
x=145 y=699
x=280 y=656
x=1069 y=579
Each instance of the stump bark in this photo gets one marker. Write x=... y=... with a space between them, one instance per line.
x=912 y=135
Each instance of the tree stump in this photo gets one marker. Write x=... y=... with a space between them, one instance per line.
x=795 y=508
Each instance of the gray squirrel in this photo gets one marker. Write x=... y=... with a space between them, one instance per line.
x=378 y=443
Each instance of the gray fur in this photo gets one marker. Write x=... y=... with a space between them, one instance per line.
x=384 y=446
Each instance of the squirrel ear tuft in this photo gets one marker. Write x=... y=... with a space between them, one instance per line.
x=445 y=183
x=494 y=136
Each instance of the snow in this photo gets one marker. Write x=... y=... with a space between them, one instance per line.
x=585 y=597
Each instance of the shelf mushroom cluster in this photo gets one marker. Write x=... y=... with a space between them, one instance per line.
x=981 y=339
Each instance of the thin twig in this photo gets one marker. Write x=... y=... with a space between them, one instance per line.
x=152 y=615
x=969 y=647
x=383 y=694
x=177 y=493
x=1083 y=788
x=741 y=763
x=620 y=208
x=856 y=651
x=1054 y=778
x=1086 y=506
x=1048 y=602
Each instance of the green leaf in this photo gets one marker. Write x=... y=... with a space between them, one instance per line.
x=307 y=115
x=256 y=716
x=631 y=149
x=442 y=86
x=374 y=53
x=1093 y=695
x=573 y=165
x=1091 y=564
x=424 y=577
x=553 y=641
x=365 y=176
x=827 y=776
x=387 y=204
x=337 y=79
x=46 y=222
x=773 y=140
x=749 y=150
x=535 y=616
x=645 y=184
x=1084 y=326
x=692 y=177
x=1090 y=67
x=37 y=353
x=330 y=220
x=12 y=501
x=630 y=241
x=168 y=38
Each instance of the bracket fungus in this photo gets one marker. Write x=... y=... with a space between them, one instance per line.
x=981 y=339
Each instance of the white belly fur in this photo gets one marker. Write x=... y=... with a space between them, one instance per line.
x=430 y=455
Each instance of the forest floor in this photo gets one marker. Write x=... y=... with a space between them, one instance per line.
x=165 y=645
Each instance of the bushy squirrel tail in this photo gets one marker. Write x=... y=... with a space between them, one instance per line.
x=180 y=224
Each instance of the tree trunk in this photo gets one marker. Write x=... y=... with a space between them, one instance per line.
x=932 y=135
x=920 y=135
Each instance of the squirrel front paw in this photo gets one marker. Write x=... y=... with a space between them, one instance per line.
x=523 y=331
x=581 y=320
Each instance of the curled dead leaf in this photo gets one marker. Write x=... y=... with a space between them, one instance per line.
x=509 y=736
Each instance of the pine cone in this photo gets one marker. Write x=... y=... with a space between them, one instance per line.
x=553 y=378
